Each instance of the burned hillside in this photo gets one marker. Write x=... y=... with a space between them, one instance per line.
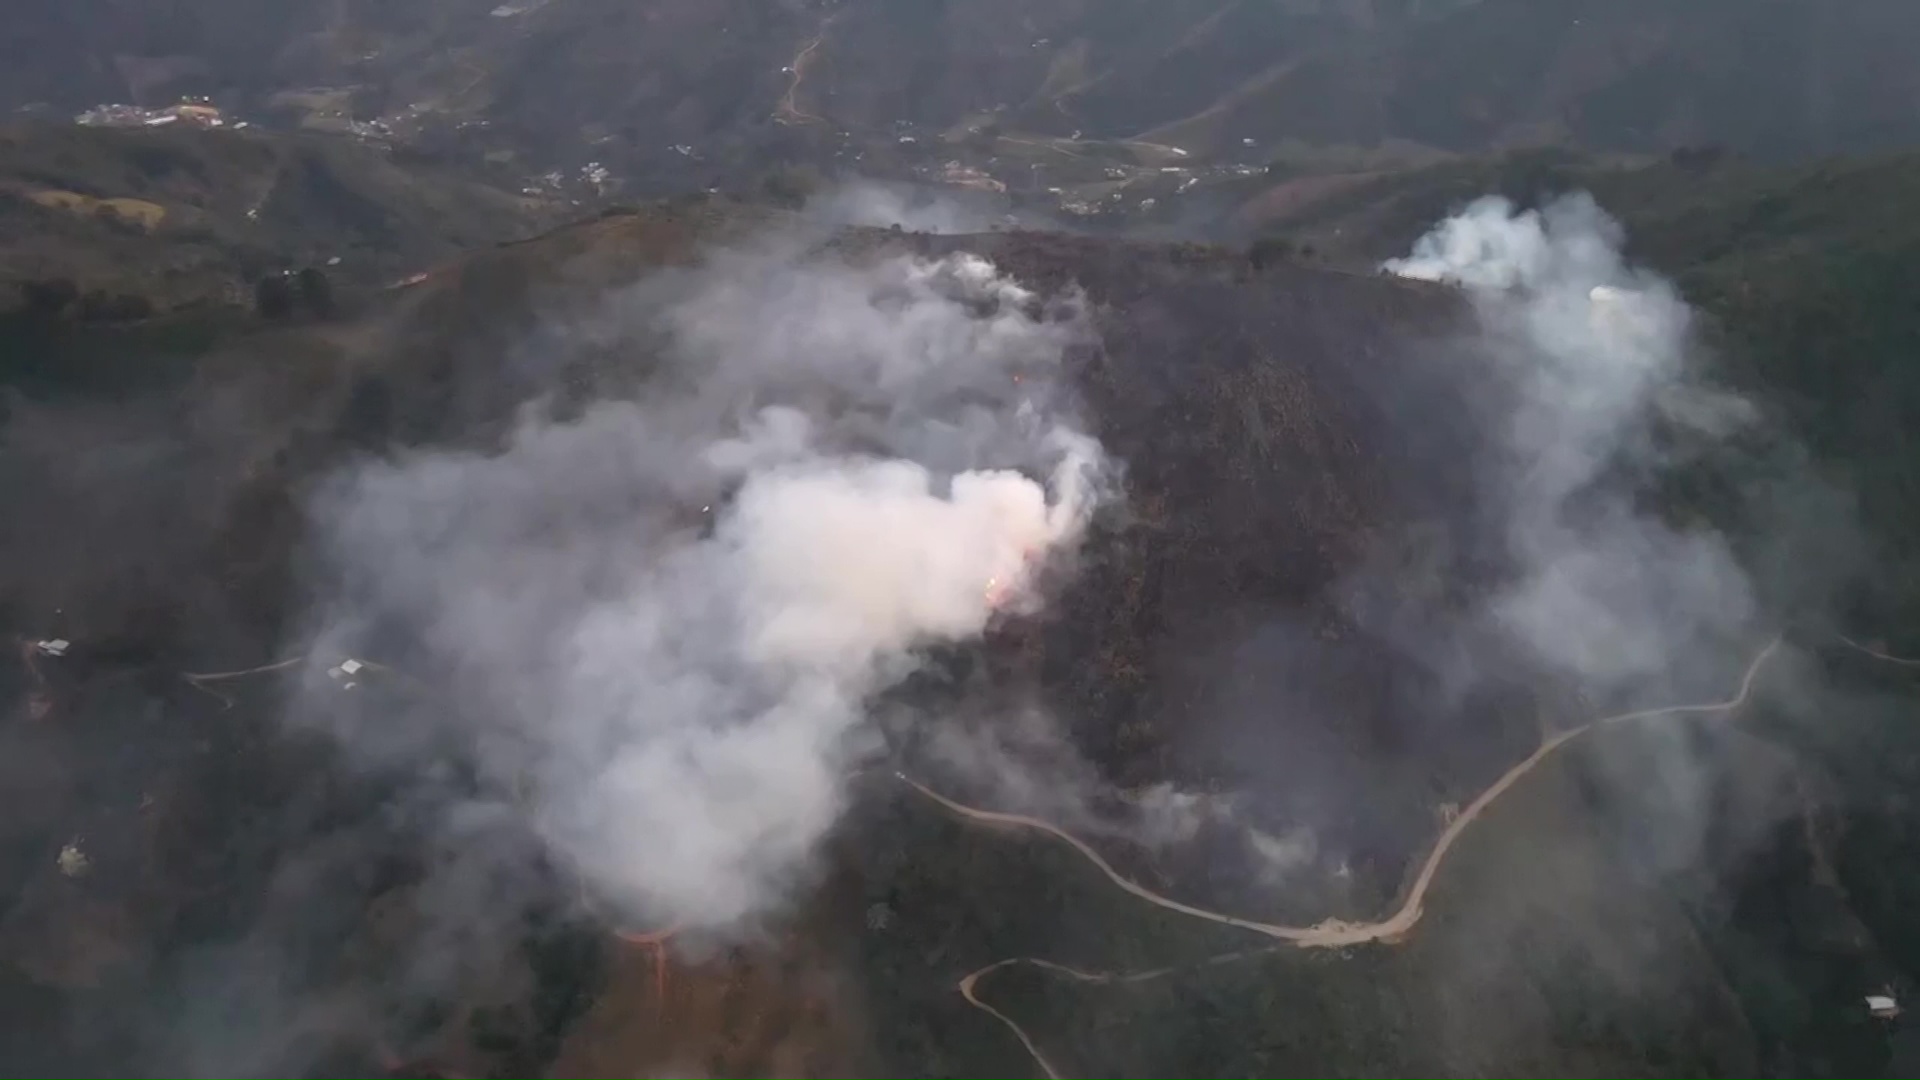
x=1244 y=404
x=228 y=791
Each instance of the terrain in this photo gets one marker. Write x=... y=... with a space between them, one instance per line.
x=1797 y=266
x=176 y=216
x=1270 y=469
x=220 y=497
x=1048 y=95
x=1247 y=778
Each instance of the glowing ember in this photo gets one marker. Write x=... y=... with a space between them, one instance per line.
x=1005 y=587
x=655 y=946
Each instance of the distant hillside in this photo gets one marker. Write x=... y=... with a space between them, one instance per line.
x=681 y=92
x=177 y=214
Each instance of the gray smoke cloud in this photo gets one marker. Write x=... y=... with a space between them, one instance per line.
x=1020 y=760
x=1620 y=589
x=1595 y=353
x=663 y=618
x=1610 y=436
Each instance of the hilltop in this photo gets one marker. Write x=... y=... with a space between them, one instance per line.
x=1277 y=441
x=232 y=439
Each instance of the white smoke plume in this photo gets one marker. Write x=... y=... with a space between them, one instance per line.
x=1595 y=352
x=663 y=619
x=1024 y=763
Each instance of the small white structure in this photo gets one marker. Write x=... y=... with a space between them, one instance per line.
x=72 y=861
x=1883 y=1006
x=344 y=674
x=54 y=646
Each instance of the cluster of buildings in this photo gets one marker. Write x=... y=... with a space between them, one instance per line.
x=198 y=112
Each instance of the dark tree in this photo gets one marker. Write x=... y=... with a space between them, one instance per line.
x=1268 y=251
x=49 y=297
x=1698 y=158
x=791 y=187
x=273 y=296
x=99 y=306
x=315 y=291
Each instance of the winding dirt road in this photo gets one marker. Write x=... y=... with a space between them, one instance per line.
x=968 y=984
x=789 y=110
x=1875 y=653
x=1334 y=933
x=1330 y=933
x=1327 y=934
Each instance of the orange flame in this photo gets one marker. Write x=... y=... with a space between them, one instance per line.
x=655 y=945
x=1002 y=587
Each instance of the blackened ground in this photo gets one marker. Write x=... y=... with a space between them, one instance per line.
x=249 y=905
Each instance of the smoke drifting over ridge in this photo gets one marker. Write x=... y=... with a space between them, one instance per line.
x=663 y=618
x=1595 y=352
x=884 y=205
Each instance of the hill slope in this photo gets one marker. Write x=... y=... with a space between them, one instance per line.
x=180 y=214
x=699 y=89
x=1302 y=446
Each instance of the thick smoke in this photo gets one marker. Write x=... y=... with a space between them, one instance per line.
x=1610 y=440
x=662 y=619
x=1595 y=354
